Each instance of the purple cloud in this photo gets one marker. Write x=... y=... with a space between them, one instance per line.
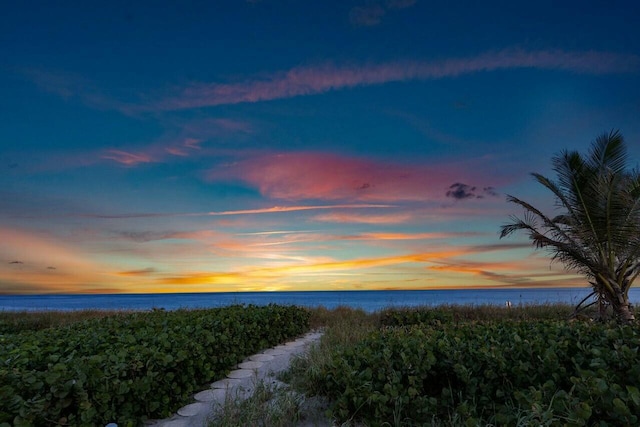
x=460 y=191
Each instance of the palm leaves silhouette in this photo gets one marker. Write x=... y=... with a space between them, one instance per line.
x=597 y=232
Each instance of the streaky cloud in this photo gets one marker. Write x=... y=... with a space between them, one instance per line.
x=313 y=80
x=348 y=217
x=141 y=272
x=126 y=158
x=273 y=209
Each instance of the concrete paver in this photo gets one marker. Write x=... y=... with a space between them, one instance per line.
x=250 y=365
x=239 y=383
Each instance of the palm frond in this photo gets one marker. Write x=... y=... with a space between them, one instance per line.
x=609 y=152
x=565 y=202
x=597 y=233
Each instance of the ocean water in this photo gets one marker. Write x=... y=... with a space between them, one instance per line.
x=367 y=300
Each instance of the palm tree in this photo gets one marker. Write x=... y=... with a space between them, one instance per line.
x=597 y=232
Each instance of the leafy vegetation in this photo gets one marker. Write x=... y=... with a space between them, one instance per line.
x=12 y=322
x=130 y=367
x=461 y=313
x=476 y=366
x=597 y=233
x=444 y=366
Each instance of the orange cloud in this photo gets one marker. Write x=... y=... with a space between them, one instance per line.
x=47 y=264
x=529 y=272
x=410 y=236
x=438 y=269
x=293 y=237
x=316 y=269
x=276 y=209
x=141 y=272
x=269 y=210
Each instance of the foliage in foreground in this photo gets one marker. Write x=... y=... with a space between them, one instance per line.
x=131 y=367
x=486 y=372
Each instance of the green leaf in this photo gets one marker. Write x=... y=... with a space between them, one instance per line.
x=634 y=394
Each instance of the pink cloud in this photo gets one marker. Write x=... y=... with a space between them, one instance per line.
x=324 y=176
x=189 y=141
x=303 y=81
x=350 y=217
x=126 y=158
x=184 y=148
x=155 y=153
x=192 y=143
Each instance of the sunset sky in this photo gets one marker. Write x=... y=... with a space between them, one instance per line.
x=296 y=145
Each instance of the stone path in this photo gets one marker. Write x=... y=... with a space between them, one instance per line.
x=239 y=383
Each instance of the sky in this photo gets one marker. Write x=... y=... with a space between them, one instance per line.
x=285 y=145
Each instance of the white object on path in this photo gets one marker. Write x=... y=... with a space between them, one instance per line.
x=238 y=384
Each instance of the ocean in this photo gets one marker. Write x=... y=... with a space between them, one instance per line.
x=369 y=301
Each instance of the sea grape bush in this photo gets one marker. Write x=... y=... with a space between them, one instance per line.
x=580 y=373
x=436 y=316
x=128 y=368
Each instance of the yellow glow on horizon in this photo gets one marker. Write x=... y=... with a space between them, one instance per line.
x=448 y=268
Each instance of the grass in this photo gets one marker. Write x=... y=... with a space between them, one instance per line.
x=269 y=405
x=12 y=322
x=343 y=327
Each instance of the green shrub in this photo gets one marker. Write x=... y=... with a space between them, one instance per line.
x=128 y=368
x=436 y=316
x=575 y=373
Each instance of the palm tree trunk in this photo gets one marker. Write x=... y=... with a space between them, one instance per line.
x=613 y=294
x=622 y=307
x=602 y=306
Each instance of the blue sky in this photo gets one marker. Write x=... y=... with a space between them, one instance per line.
x=295 y=145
